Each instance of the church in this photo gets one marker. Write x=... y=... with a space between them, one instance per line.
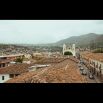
x=69 y=49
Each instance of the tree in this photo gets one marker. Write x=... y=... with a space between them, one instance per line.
x=93 y=45
x=99 y=50
x=19 y=60
x=68 y=53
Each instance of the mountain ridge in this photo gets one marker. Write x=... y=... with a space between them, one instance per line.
x=81 y=40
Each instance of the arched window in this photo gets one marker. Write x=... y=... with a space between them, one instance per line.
x=100 y=71
x=97 y=65
x=100 y=67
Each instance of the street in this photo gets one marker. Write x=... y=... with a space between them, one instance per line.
x=87 y=76
x=95 y=80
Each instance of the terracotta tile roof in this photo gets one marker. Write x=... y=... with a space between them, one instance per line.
x=64 y=72
x=95 y=56
x=12 y=55
x=4 y=61
x=50 y=60
x=14 y=69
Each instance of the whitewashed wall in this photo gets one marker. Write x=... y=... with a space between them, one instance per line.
x=98 y=64
x=28 y=56
x=6 y=77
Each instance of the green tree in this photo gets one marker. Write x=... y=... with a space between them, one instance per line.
x=99 y=50
x=19 y=60
x=68 y=53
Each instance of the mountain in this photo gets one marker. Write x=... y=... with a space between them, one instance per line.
x=90 y=39
x=99 y=41
x=83 y=40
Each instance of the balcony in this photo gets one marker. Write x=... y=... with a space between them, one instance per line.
x=96 y=66
x=100 y=67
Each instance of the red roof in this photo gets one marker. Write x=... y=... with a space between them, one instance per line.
x=5 y=61
x=15 y=69
x=12 y=55
x=94 y=56
x=63 y=72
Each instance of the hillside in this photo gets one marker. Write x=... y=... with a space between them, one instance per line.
x=99 y=41
x=83 y=40
x=86 y=40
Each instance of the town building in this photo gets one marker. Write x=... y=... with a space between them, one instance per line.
x=12 y=71
x=6 y=59
x=94 y=61
x=70 y=49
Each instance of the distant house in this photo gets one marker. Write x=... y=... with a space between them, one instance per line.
x=37 y=54
x=4 y=63
x=28 y=56
x=28 y=62
x=6 y=59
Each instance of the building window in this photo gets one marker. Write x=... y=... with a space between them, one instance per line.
x=3 y=77
x=100 y=72
x=3 y=64
x=0 y=65
x=16 y=74
x=11 y=75
x=100 y=67
x=97 y=65
x=94 y=64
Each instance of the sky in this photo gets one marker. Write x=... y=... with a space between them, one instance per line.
x=45 y=31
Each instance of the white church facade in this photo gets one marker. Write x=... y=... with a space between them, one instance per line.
x=69 y=49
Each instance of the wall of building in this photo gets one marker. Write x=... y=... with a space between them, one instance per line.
x=99 y=63
x=95 y=69
x=28 y=62
x=3 y=64
x=28 y=56
x=6 y=77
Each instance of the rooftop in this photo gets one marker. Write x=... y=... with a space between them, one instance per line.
x=11 y=55
x=64 y=72
x=95 y=56
x=4 y=61
x=15 y=69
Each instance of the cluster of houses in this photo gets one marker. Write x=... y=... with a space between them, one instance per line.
x=9 y=69
x=13 y=71
x=6 y=65
x=9 y=50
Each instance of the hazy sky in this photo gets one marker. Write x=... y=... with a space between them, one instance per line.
x=46 y=31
